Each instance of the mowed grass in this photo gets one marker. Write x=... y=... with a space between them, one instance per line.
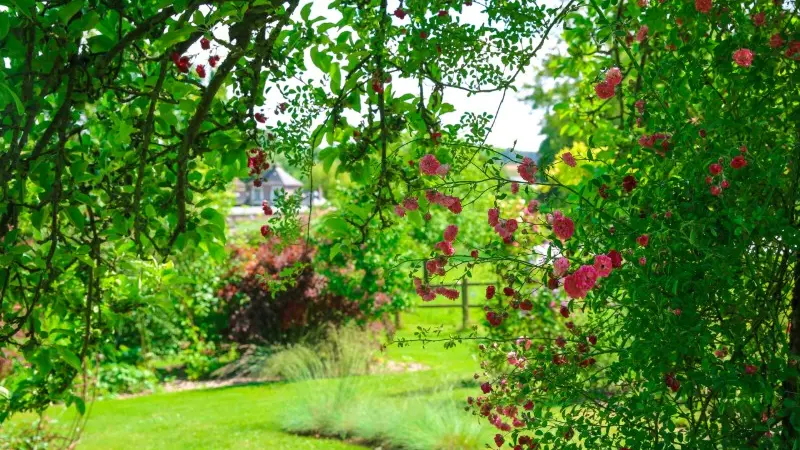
x=250 y=417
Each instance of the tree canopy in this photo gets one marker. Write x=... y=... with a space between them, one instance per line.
x=671 y=253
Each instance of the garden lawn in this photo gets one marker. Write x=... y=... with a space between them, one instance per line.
x=250 y=417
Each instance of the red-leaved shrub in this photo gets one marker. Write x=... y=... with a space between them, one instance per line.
x=273 y=294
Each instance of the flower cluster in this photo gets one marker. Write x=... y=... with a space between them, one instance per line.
x=605 y=89
x=450 y=202
x=257 y=163
x=527 y=170
x=429 y=165
x=504 y=228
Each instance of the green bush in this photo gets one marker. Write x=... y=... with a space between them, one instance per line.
x=121 y=378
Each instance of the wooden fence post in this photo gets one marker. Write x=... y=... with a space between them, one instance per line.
x=464 y=303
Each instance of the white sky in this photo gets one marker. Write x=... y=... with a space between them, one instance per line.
x=516 y=120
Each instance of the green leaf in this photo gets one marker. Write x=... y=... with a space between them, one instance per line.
x=101 y=43
x=80 y=405
x=70 y=9
x=69 y=357
x=76 y=217
x=173 y=37
x=13 y=95
x=336 y=78
x=213 y=216
x=3 y=24
x=305 y=13
x=321 y=60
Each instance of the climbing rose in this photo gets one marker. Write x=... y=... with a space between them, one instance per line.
x=514 y=187
x=411 y=204
x=585 y=277
x=642 y=260
x=494 y=217
x=499 y=440
x=399 y=13
x=602 y=264
x=793 y=51
x=647 y=141
x=399 y=211
x=628 y=183
x=715 y=169
x=508 y=290
x=264 y=230
x=452 y=294
x=738 y=162
x=715 y=190
x=613 y=76
x=639 y=106
x=776 y=40
x=436 y=266
x=759 y=19
x=527 y=170
x=703 y=6
x=533 y=206
x=569 y=159
x=643 y=240
x=743 y=57
x=616 y=258
x=205 y=44
x=449 y=202
x=641 y=35
x=604 y=90
x=490 y=292
x=450 y=233
x=560 y=266
x=446 y=247
x=563 y=227
x=429 y=165
x=571 y=288
x=474 y=254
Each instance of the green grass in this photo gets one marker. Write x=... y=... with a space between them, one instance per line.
x=254 y=416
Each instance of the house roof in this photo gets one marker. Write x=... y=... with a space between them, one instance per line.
x=276 y=175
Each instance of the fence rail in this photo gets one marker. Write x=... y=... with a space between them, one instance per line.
x=464 y=305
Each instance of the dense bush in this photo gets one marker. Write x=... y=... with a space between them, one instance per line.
x=124 y=379
x=274 y=294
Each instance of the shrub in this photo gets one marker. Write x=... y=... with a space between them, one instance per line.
x=274 y=294
x=121 y=378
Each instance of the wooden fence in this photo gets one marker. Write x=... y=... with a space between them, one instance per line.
x=465 y=305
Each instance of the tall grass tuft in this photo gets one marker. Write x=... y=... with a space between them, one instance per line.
x=337 y=410
x=345 y=351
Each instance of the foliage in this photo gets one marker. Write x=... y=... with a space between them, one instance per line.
x=37 y=435
x=342 y=352
x=688 y=111
x=125 y=379
x=413 y=424
x=273 y=294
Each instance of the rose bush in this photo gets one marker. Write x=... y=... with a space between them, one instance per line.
x=118 y=117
